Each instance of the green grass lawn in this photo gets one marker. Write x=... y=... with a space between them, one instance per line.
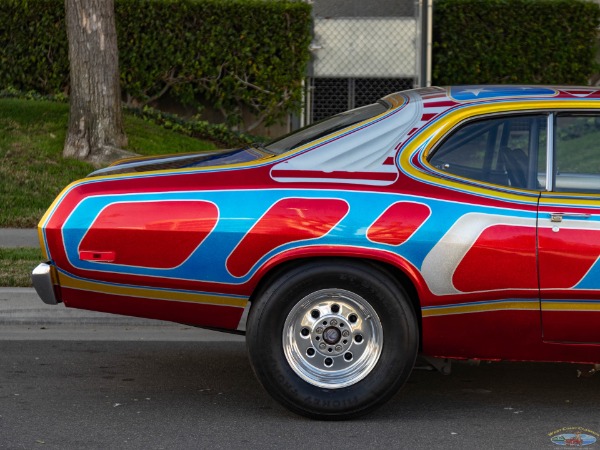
x=32 y=170
x=16 y=265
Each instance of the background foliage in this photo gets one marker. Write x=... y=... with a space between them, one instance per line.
x=233 y=54
x=514 y=41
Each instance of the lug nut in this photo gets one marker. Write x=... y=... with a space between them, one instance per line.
x=322 y=345
x=319 y=330
x=338 y=348
x=333 y=322
x=345 y=333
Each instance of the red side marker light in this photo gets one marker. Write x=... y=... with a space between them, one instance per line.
x=96 y=256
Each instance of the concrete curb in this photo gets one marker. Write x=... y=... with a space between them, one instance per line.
x=18 y=237
x=23 y=316
x=23 y=306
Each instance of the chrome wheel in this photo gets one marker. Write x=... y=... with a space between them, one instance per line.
x=332 y=338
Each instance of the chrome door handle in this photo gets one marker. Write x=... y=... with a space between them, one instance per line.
x=558 y=217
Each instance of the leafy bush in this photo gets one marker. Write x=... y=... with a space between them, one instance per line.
x=233 y=54
x=195 y=127
x=33 y=46
x=514 y=41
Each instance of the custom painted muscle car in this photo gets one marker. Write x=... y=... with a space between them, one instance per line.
x=457 y=222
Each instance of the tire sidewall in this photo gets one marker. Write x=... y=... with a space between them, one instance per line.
x=400 y=339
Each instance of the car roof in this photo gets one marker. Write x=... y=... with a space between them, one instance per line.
x=477 y=94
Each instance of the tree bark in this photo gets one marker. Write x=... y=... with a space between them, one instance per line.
x=95 y=131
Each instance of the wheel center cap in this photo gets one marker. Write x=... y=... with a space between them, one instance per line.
x=332 y=335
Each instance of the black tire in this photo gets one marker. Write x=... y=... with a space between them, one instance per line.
x=349 y=377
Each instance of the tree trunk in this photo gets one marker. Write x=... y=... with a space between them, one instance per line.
x=95 y=121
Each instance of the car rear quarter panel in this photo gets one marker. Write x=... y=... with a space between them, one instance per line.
x=202 y=268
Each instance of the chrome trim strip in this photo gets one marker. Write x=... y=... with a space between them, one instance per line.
x=42 y=282
x=550 y=153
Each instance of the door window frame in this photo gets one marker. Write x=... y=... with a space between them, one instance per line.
x=552 y=163
x=549 y=184
x=500 y=115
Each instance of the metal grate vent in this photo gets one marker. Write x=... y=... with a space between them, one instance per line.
x=334 y=95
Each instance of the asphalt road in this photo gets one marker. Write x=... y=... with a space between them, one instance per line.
x=104 y=386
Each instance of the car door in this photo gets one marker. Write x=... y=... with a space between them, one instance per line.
x=491 y=250
x=569 y=231
x=483 y=270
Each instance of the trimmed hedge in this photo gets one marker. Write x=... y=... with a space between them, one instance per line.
x=233 y=54
x=514 y=41
x=33 y=46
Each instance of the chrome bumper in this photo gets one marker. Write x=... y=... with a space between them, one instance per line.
x=42 y=282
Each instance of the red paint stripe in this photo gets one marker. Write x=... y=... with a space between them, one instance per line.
x=503 y=257
x=506 y=335
x=398 y=223
x=315 y=174
x=161 y=234
x=428 y=117
x=576 y=250
x=389 y=161
x=578 y=93
x=412 y=131
x=571 y=326
x=289 y=220
x=439 y=104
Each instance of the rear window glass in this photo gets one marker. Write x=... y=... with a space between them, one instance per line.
x=325 y=127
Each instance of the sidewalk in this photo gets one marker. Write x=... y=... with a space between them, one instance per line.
x=23 y=316
x=18 y=237
x=23 y=306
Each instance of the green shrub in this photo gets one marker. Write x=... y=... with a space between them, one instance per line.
x=195 y=127
x=232 y=54
x=33 y=46
x=514 y=41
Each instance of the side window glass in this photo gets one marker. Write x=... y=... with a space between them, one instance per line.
x=577 y=150
x=506 y=151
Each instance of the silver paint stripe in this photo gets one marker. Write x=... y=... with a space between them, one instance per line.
x=443 y=259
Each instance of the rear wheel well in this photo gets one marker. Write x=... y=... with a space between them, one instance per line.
x=393 y=273
x=332 y=338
